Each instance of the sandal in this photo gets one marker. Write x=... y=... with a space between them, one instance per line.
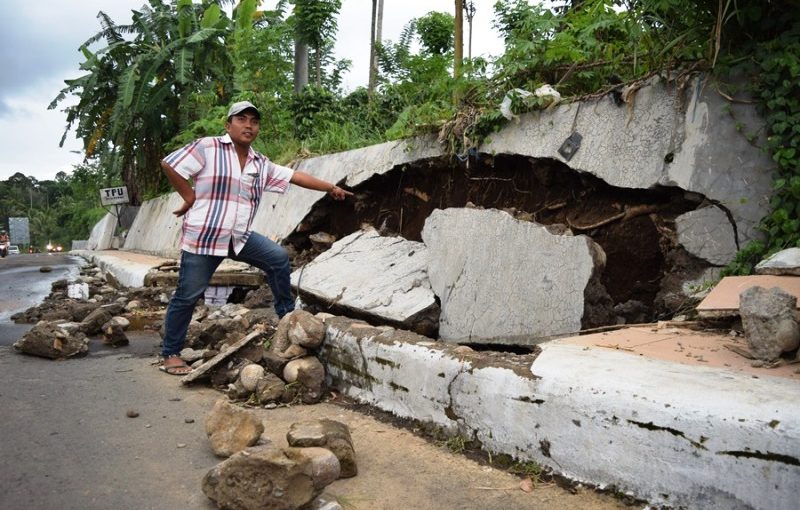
x=174 y=365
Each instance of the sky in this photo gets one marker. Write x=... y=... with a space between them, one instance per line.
x=39 y=44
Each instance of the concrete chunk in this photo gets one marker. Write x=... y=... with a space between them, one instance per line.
x=707 y=233
x=785 y=262
x=381 y=277
x=501 y=280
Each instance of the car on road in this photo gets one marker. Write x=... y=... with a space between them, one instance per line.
x=13 y=249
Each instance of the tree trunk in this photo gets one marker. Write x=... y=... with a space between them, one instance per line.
x=300 y=65
x=459 y=39
x=319 y=67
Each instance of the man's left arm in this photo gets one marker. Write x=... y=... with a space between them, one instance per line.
x=308 y=181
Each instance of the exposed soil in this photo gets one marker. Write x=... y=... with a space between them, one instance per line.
x=635 y=227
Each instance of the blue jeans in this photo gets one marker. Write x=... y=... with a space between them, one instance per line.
x=196 y=271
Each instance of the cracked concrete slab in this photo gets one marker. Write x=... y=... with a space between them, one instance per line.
x=502 y=280
x=381 y=277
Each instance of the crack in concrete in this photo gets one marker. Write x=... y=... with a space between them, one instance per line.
x=775 y=457
x=448 y=411
x=674 y=432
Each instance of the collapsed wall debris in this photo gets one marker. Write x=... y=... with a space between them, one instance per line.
x=500 y=283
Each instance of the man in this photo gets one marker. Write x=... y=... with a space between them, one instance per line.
x=229 y=178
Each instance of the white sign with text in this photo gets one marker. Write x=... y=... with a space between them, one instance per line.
x=114 y=196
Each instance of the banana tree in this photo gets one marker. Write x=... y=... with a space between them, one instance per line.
x=147 y=84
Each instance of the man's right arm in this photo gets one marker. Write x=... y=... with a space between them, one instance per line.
x=182 y=186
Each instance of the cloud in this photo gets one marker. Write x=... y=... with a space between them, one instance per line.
x=39 y=40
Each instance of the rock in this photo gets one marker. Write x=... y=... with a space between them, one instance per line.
x=114 y=335
x=80 y=311
x=310 y=373
x=250 y=375
x=120 y=321
x=785 y=262
x=231 y=429
x=59 y=285
x=70 y=327
x=258 y=298
x=47 y=340
x=132 y=413
x=253 y=352
x=133 y=305
x=93 y=322
x=190 y=355
x=325 y=502
x=325 y=468
x=769 y=321
x=305 y=330
x=56 y=315
x=330 y=434
x=269 y=389
x=45 y=269
x=274 y=363
x=262 y=478
x=322 y=240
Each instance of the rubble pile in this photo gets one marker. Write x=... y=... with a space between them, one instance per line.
x=267 y=366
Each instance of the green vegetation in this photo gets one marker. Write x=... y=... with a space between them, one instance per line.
x=59 y=210
x=167 y=78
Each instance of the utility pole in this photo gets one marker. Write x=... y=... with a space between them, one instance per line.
x=469 y=9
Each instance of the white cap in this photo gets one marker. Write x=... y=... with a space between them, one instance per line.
x=237 y=108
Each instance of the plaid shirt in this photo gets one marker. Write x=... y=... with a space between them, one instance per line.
x=226 y=197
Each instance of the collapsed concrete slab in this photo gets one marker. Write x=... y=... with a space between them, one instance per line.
x=593 y=415
x=501 y=280
x=668 y=135
x=383 y=278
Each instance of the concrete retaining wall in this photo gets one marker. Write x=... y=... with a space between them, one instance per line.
x=670 y=136
x=102 y=235
x=593 y=415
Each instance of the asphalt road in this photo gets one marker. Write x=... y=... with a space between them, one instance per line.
x=23 y=285
x=65 y=439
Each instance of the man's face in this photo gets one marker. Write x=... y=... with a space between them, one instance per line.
x=243 y=127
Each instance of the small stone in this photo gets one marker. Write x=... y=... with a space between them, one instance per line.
x=181 y=445
x=188 y=420
x=132 y=413
x=148 y=426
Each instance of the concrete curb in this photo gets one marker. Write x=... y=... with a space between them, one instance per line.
x=128 y=272
x=672 y=434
